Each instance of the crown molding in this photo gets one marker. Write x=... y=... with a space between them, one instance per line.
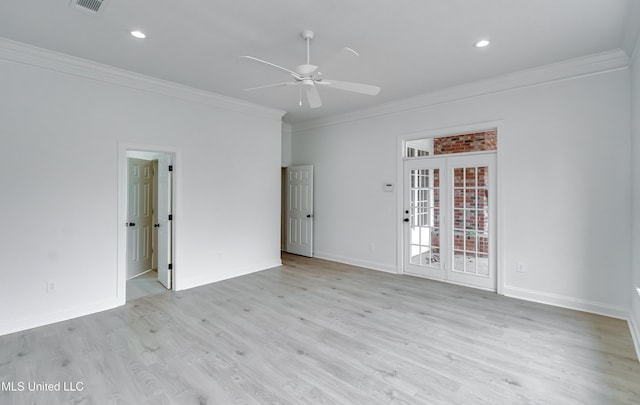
x=17 y=52
x=569 y=69
x=631 y=33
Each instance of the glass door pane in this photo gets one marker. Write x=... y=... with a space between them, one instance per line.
x=424 y=218
x=471 y=218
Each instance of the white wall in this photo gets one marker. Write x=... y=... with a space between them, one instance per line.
x=286 y=144
x=565 y=175
x=635 y=189
x=61 y=123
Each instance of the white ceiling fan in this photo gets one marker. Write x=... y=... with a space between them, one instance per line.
x=308 y=78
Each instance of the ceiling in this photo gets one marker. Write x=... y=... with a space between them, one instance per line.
x=407 y=47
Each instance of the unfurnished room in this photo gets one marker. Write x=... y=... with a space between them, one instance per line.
x=304 y=202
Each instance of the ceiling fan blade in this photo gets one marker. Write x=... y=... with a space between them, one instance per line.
x=350 y=86
x=291 y=72
x=338 y=59
x=313 y=97
x=351 y=50
x=272 y=85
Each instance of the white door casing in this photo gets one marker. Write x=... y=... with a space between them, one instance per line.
x=450 y=218
x=126 y=150
x=299 y=210
x=139 y=217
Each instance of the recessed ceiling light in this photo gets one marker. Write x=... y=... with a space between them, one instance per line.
x=482 y=43
x=138 y=34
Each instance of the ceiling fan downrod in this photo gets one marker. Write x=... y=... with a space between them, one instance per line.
x=308 y=35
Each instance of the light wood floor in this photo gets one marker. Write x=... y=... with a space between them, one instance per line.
x=316 y=332
x=144 y=285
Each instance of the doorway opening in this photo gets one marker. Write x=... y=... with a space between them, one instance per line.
x=449 y=208
x=146 y=203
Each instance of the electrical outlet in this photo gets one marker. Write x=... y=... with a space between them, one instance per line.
x=520 y=267
x=51 y=286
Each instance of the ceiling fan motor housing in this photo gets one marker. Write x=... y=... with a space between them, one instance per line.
x=307 y=34
x=306 y=70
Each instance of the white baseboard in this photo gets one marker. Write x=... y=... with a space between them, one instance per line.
x=185 y=284
x=524 y=294
x=557 y=300
x=19 y=325
x=356 y=262
x=513 y=292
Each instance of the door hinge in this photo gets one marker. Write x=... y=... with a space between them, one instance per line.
x=170 y=266
x=170 y=168
x=170 y=217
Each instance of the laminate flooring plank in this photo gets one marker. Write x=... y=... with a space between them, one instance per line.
x=318 y=332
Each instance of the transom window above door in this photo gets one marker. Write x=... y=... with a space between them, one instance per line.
x=461 y=143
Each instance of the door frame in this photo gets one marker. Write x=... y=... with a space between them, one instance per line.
x=121 y=271
x=441 y=132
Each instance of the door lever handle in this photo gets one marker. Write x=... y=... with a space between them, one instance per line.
x=406 y=220
x=156 y=225
x=308 y=215
x=130 y=224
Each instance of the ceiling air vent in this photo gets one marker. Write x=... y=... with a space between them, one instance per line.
x=89 y=5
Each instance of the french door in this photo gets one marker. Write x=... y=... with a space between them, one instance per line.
x=450 y=217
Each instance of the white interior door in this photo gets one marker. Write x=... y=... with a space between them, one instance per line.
x=140 y=216
x=299 y=210
x=154 y=231
x=164 y=229
x=450 y=216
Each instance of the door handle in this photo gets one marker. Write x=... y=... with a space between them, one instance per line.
x=130 y=224
x=406 y=220
x=156 y=225
x=308 y=215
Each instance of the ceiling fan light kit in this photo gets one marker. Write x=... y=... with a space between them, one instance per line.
x=307 y=76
